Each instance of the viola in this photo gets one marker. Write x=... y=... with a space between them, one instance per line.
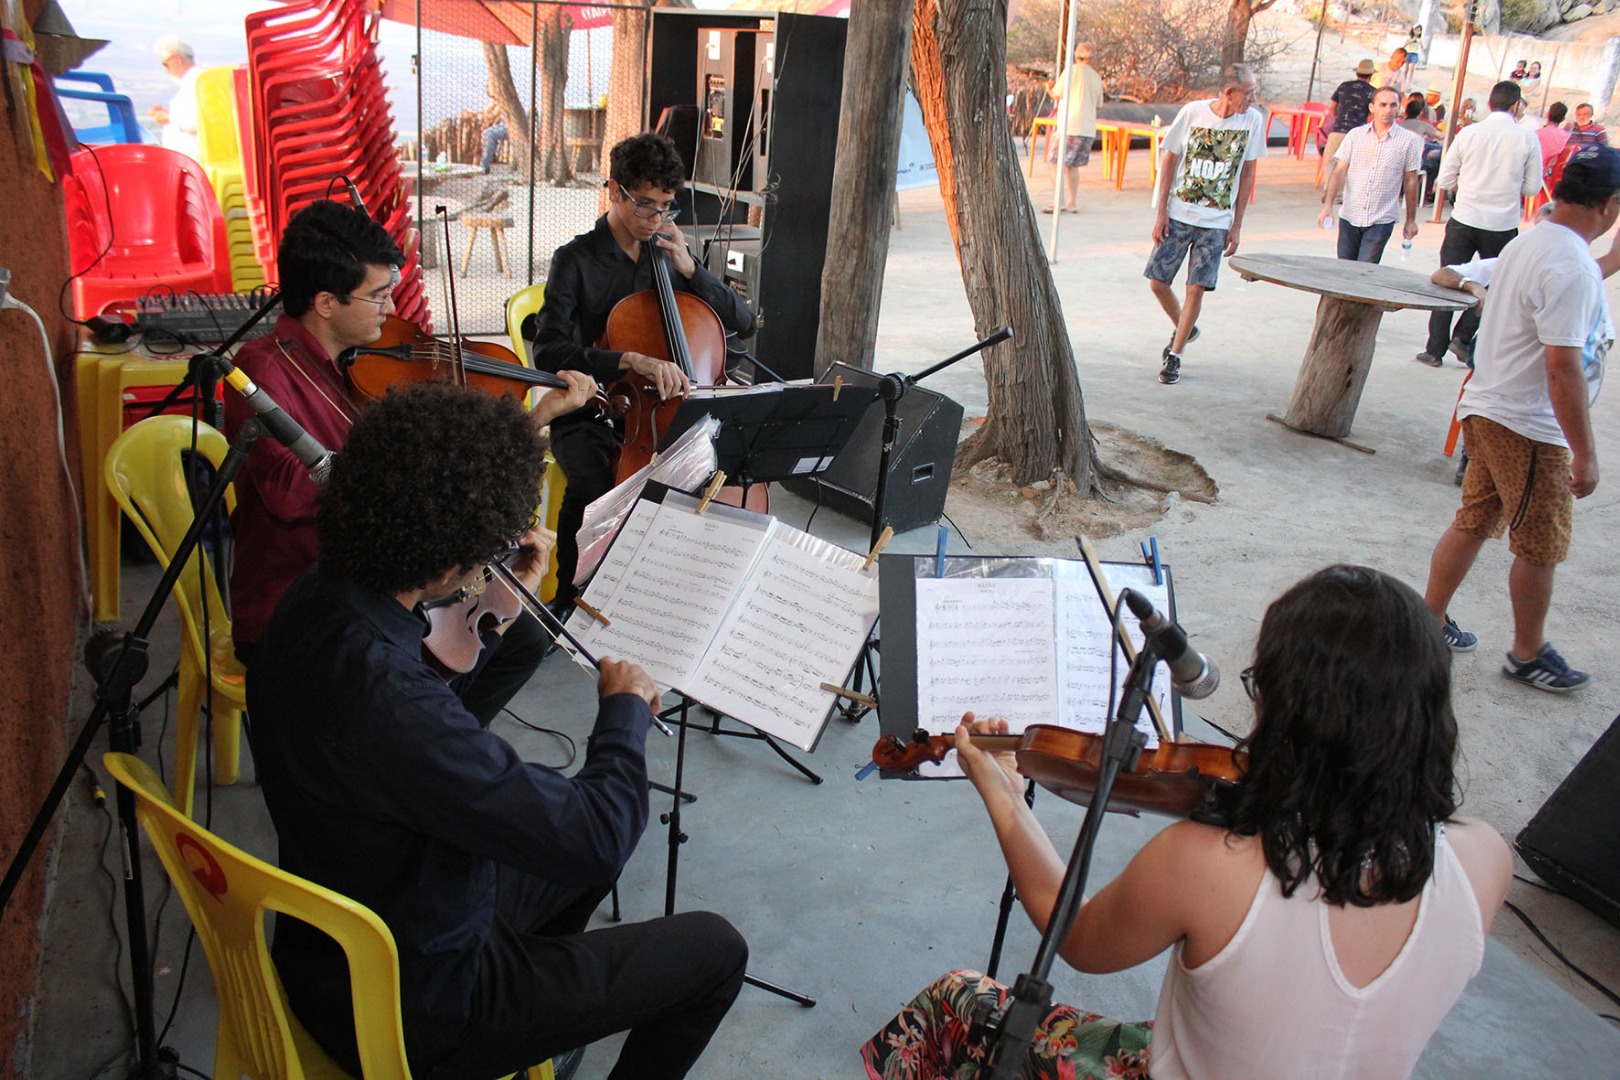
x=1179 y=779
x=674 y=326
x=457 y=623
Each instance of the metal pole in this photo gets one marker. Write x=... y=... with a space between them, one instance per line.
x=1063 y=128
x=1316 y=57
x=534 y=119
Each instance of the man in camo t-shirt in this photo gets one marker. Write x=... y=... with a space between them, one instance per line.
x=1209 y=155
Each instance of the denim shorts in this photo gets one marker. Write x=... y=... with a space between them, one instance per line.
x=1201 y=248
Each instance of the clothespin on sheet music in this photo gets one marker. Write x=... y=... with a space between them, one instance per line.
x=711 y=491
x=939 y=551
x=838 y=386
x=1150 y=555
x=592 y=611
x=882 y=541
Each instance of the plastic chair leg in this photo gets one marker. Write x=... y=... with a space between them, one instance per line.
x=227 y=742
x=188 y=709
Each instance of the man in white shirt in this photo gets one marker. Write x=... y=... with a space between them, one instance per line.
x=1375 y=166
x=1525 y=413
x=1492 y=165
x=179 y=119
x=1080 y=90
x=1395 y=74
x=1210 y=150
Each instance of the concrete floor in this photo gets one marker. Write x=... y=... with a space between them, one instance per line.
x=860 y=893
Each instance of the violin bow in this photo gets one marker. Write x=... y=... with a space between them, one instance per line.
x=1106 y=594
x=450 y=290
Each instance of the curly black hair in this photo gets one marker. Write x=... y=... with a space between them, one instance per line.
x=326 y=247
x=433 y=477
x=647 y=158
x=1351 y=757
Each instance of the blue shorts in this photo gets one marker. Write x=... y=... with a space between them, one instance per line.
x=1202 y=248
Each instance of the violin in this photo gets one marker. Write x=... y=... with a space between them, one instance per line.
x=457 y=623
x=1179 y=779
x=674 y=326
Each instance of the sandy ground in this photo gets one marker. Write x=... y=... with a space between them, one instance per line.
x=1289 y=504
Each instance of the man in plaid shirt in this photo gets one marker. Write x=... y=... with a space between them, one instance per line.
x=1375 y=166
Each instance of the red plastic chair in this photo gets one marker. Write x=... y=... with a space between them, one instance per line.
x=1553 y=174
x=141 y=218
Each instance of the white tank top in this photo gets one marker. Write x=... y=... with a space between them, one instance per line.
x=1274 y=1002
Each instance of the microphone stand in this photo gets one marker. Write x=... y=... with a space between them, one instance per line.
x=117 y=666
x=1010 y=1029
x=891 y=388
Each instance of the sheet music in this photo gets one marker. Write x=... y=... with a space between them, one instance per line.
x=1085 y=640
x=686 y=571
x=798 y=622
x=984 y=645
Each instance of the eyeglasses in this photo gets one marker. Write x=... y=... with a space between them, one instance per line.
x=381 y=304
x=1247 y=678
x=646 y=208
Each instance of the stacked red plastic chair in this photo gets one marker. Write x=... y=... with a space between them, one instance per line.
x=315 y=111
x=141 y=219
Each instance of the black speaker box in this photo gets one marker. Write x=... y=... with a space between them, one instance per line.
x=919 y=471
x=1573 y=842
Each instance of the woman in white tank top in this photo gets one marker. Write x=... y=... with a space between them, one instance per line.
x=1324 y=932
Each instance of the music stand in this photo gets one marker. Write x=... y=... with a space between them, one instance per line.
x=776 y=432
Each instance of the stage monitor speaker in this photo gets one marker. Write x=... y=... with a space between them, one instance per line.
x=919 y=472
x=679 y=124
x=1573 y=842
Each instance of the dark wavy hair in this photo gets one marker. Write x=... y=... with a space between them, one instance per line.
x=433 y=477
x=644 y=158
x=1351 y=756
x=326 y=247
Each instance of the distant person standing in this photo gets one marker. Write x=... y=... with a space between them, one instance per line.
x=1587 y=131
x=1492 y=166
x=1210 y=151
x=1081 y=87
x=1396 y=73
x=1347 y=108
x=179 y=118
x=1526 y=414
x=1376 y=166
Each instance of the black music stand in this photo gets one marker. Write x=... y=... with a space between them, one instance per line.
x=778 y=433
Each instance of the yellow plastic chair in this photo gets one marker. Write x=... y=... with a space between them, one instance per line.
x=519 y=306
x=145 y=473
x=228 y=893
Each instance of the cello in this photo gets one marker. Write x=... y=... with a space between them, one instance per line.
x=678 y=327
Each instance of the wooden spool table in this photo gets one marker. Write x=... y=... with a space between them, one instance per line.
x=1355 y=296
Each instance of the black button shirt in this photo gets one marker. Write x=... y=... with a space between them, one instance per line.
x=383 y=787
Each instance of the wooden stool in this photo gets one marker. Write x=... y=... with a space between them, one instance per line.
x=497 y=227
x=584 y=154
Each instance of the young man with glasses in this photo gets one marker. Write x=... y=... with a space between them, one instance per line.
x=588 y=276
x=338 y=271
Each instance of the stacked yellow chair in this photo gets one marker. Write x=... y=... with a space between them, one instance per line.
x=519 y=306
x=222 y=161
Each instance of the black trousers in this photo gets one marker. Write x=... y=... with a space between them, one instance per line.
x=1462 y=243
x=588 y=451
x=544 y=987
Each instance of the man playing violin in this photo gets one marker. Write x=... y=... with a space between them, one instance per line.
x=588 y=276
x=383 y=786
x=338 y=272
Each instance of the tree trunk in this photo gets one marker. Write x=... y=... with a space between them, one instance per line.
x=627 y=81
x=504 y=91
x=552 y=164
x=1238 y=16
x=871 y=114
x=1036 y=420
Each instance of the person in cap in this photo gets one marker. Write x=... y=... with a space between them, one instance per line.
x=1525 y=413
x=178 y=119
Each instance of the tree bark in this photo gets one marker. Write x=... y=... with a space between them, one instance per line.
x=552 y=161
x=1036 y=420
x=504 y=90
x=871 y=113
x=627 y=81
x=1239 y=14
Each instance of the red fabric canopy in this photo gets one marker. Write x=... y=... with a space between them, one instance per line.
x=506 y=22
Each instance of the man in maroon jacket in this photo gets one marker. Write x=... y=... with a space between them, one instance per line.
x=338 y=272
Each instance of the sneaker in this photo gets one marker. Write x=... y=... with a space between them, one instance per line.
x=1429 y=358
x=1192 y=337
x=1545 y=671
x=1463 y=351
x=1459 y=639
x=1171 y=372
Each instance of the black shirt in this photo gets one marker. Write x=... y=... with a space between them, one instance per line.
x=589 y=275
x=383 y=787
x=1351 y=102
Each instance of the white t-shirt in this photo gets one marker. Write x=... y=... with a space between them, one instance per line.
x=1087 y=92
x=180 y=133
x=1546 y=289
x=1212 y=151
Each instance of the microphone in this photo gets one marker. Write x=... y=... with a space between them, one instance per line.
x=354 y=196
x=1192 y=674
x=287 y=431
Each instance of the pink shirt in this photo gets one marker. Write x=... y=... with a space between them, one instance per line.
x=1553 y=140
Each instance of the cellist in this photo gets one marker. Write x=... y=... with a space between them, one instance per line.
x=338 y=273
x=588 y=276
